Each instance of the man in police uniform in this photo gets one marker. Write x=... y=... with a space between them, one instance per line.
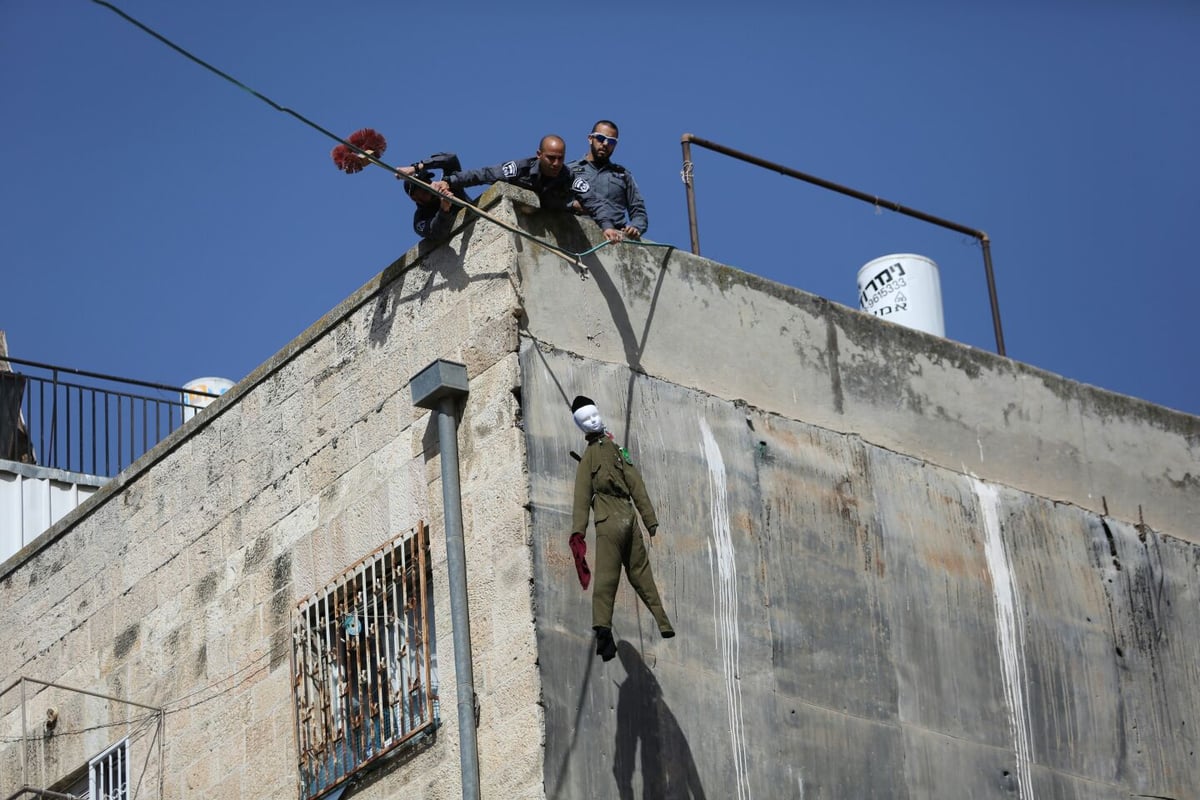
x=607 y=190
x=434 y=216
x=543 y=174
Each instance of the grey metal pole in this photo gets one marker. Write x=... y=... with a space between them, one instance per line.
x=986 y=244
x=460 y=619
x=24 y=733
x=438 y=387
x=687 y=173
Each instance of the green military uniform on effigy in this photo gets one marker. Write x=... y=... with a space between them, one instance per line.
x=609 y=485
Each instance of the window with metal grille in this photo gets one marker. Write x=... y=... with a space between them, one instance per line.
x=363 y=664
x=108 y=773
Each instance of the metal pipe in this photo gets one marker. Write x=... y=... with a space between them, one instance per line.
x=835 y=187
x=22 y=680
x=456 y=566
x=986 y=244
x=874 y=200
x=423 y=588
x=162 y=737
x=42 y=794
x=686 y=174
x=24 y=733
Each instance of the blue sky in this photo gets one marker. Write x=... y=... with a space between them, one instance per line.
x=160 y=223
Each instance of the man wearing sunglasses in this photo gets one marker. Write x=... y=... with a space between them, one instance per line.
x=543 y=175
x=608 y=187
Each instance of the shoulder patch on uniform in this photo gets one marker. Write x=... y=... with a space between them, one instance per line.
x=509 y=169
x=580 y=185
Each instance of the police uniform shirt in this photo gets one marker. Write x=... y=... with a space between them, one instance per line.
x=553 y=193
x=610 y=188
x=429 y=221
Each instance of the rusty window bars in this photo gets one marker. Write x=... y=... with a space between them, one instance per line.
x=363 y=673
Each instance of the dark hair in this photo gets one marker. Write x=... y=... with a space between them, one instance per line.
x=609 y=123
x=423 y=175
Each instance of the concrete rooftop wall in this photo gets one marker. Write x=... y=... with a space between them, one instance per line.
x=854 y=622
x=899 y=567
x=709 y=327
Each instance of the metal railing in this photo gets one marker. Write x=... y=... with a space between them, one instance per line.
x=985 y=243
x=46 y=743
x=85 y=422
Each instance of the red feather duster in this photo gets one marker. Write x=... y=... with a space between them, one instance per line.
x=367 y=139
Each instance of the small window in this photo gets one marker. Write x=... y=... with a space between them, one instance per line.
x=365 y=680
x=108 y=773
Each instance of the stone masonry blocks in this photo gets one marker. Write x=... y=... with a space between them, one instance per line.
x=849 y=615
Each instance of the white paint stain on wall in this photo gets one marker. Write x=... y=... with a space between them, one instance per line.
x=1010 y=634
x=725 y=603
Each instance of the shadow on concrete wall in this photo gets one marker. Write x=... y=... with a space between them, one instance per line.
x=646 y=725
x=633 y=345
x=448 y=265
x=570 y=234
x=579 y=708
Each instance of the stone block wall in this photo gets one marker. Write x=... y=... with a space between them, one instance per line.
x=899 y=567
x=175 y=585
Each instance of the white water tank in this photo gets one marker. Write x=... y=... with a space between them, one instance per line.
x=195 y=402
x=903 y=288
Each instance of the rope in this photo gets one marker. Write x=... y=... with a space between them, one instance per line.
x=583 y=270
x=566 y=255
x=638 y=242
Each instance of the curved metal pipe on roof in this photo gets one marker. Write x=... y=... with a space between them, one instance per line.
x=985 y=243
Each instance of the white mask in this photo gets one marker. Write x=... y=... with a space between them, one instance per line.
x=588 y=419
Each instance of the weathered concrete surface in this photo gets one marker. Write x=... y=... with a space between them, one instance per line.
x=900 y=567
x=174 y=585
x=887 y=555
x=841 y=611
x=710 y=327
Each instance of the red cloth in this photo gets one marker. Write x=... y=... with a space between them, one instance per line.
x=579 y=550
